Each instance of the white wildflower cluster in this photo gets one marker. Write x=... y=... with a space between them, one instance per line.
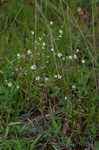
x=75 y=56
x=37 y=78
x=29 y=52
x=10 y=84
x=73 y=86
x=65 y=97
x=58 y=76
x=32 y=32
x=18 y=55
x=59 y=55
x=43 y=45
x=77 y=50
x=33 y=67
x=60 y=33
x=46 y=78
x=51 y=22
x=40 y=38
x=70 y=57
x=79 y=9
x=52 y=49
x=17 y=86
x=83 y=61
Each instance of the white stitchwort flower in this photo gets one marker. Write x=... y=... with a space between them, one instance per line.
x=52 y=49
x=37 y=78
x=55 y=76
x=75 y=56
x=59 y=76
x=43 y=44
x=69 y=57
x=18 y=55
x=83 y=61
x=59 y=55
x=33 y=67
x=51 y=22
x=40 y=38
x=65 y=98
x=61 y=31
x=77 y=50
x=32 y=32
x=46 y=78
x=9 y=84
x=17 y=86
x=79 y=9
x=29 y=52
x=60 y=36
x=73 y=86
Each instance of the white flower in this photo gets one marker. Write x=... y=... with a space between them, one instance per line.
x=40 y=38
x=52 y=49
x=60 y=36
x=18 y=55
x=43 y=44
x=75 y=56
x=77 y=50
x=59 y=55
x=55 y=76
x=51 y=22
x=9 y=84
x=29 y=52
x=59 y=76
x=37 y=78
x=73 y=86
x=79 y=9
x=65 y=98
x=60 y=31
x=70 y=57
x=32 y=32
x=83 y=61
x=17 y=86
x=33 y=67
x=46 y=78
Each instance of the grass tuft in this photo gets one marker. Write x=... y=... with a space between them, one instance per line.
x=49 y=76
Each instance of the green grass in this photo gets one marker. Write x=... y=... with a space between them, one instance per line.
x=49 y=75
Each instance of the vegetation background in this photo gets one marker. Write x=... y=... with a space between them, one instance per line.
x=49 y=75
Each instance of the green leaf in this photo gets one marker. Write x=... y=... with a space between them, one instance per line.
x=35 y=142
x=96 y=146
x=95 y=1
